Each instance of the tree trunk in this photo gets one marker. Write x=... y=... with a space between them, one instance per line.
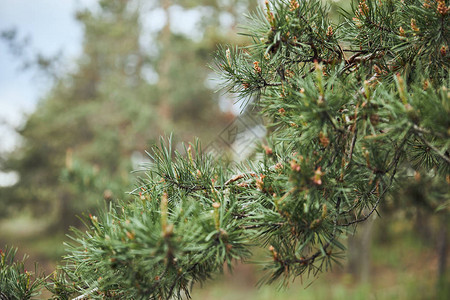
x=443 y=284
x=359 y=250
x=164 y=109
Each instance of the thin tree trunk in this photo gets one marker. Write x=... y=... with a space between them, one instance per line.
x=443 y=288
x=359 y=246
x=164 y=66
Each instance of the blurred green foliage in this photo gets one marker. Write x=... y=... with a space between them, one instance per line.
x=15 y=281
x=79 y=143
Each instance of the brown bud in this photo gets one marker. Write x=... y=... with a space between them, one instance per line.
x=414 y=25
x=268 y=150
x=443 y=51
x=314 y=223
x=363 y=8
x=417 y=176
x=294 y=5
x=442 y=8
x=295 y=166
x=130 y=235
x=317 y=178
x=329 y=31
x=274 y=253
x=324 y=140
x=377 y=69
x=260 y=182
x=257 y=67
x=324 y=211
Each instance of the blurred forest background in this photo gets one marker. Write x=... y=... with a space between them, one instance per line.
x=127 y=88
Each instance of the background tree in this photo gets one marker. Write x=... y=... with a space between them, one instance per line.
x=79 y=142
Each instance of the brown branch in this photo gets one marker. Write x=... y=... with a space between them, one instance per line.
x=380 y=27
x=309 y=260
x=419 y=129
x=426 y=142
x=352 y=147
x=391 y=179
x=262 y=225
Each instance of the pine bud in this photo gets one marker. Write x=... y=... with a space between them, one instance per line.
x=414 y=25
x=227 y=53
x=279 y=166
x=401 y=31
x=260 y=182
x=426 y=83
x=28 y=274
x=367 y=157
x=189 y=150
x=295 y=166
x=270 y=16
x=357 y=22
x=289 y=73
x=401 y=88
x=164 y=211
x=216 y=206
x=417 y=176
x=314 y=224
x=268 y=150
x=443 y=51
x=93 y=218
x=329 y=31
x=257 y=67
x=294 y=5
x=317 y=178
x=274 y=253
x=130 y=235
x=363 y=8
x=377 y=70
x=324 y=140
x=324 y=211
x=442 y=8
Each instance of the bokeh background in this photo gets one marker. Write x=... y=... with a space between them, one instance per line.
x=86 y=86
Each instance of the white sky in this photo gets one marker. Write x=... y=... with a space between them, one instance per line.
x=52 y=27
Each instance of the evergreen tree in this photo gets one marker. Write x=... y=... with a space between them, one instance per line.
x=354 y=109
x=79 y=142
